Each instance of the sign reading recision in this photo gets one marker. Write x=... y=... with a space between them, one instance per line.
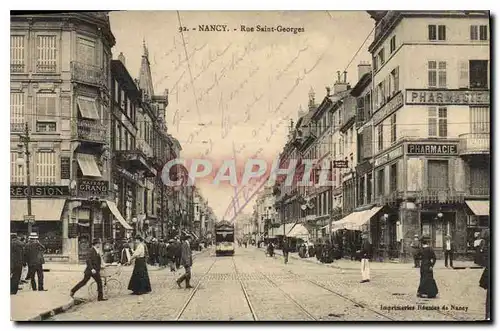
x=39 y=191
x=447 y=97
x=433 y=149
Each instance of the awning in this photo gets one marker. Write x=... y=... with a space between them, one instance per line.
x=114 y=210
x=340 y=224
x=356 y=220
x=88 y=165
x=298 y=231
x=479 y=207
x=43 y=209
x=279 y=231
x=88 y=108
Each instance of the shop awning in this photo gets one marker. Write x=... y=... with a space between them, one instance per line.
x=279 y=231
x=340 y=224
x=356 y=220
x=479 y=207
x=88 y=108
x=114 y=210
x=298 y=231
x=43 y=209
x=88 y=165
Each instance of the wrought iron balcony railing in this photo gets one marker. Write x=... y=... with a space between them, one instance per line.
x=88 y=74
x=16 y=127
x=474 y=143
x=17 y=67
x=90 y=130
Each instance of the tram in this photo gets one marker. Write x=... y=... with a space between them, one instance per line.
x=224 y=238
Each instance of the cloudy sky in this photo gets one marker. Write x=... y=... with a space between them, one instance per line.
x=236 y=93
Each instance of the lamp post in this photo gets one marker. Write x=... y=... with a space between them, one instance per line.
x=25 y=139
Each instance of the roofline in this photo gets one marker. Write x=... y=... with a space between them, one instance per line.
x=361 y=84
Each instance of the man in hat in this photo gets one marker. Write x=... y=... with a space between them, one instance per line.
x=171 y=251
x=178 y=253
x=24 y=272
x=186 y=261
x=448 y=251
x=93 y=270
x=33 y=254
x=365 y=253
x=415 y=247
x=16 y=262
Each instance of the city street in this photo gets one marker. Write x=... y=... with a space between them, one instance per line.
x=251 y=286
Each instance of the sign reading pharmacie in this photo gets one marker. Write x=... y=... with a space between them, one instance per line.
x=447 y=97
x=432 y=149
x=39 y=191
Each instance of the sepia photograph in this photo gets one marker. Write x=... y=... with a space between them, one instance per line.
x=228 y=166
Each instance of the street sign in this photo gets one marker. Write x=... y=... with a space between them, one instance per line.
x=340 y=164
x=29 y=218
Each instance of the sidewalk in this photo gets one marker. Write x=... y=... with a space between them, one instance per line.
x=37 y=306
x=348 y=264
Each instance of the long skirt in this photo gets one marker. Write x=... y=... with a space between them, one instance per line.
x=139 y=282
x=427 y=284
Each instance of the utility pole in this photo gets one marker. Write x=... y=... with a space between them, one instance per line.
x=25 y=139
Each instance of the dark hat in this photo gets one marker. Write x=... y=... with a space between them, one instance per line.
x=13 y=235
x=95 y=242
x=138 y=237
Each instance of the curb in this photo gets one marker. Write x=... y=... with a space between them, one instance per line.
x=51 y=312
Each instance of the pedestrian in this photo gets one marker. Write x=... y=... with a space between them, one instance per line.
x=448 y=251
x=93 y=270
x=187 y=262
x=286 y=249
x=126 y=254
x=178 y=252
x=171 y=254
x=139 y=281
x=427 y=287
x=366 y=255
x=24 y=272
x=16 y=262
x=33 y=255
x=479 y=244
x=484 y=281
x=415 y=247
x=162 y=253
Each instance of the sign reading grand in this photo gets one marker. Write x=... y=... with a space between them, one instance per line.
x=39 y=191
x=447 y=97
x=433 y=149
x=93 y=186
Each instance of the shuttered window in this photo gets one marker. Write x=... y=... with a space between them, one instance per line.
x=437 y=174
x=46 y=112
x=17 y=56
x=438 y=122
x=45 y=167
x=393 y=128
x=436 y=74
x=46 y=60
x=480 y=119
x=86 y=51
x=17 y=173
x=380 y=137
x=17 y=115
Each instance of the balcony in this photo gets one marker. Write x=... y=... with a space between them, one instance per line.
x=478 y=191
x=17 y=67
x=86 y=74
x=136 y=160
x=16 y=127
x=474 y=143
x=91 y=131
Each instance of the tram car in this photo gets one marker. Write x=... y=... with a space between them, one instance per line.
x=224 y=238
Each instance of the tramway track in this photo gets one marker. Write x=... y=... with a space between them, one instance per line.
x=245 y=293
x=193 y=292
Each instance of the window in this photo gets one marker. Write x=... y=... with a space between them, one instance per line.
x=436 y=74
x=478 y=74
x=368 y=105
x=17 y=112
x=117 y=136
x=361 y=192
x=381 y=57
x=46 y=114
x=45 y=168
x=437 y=174
x=122 y=100
x=478 y=32
x=438 y=122
x=393 y=44
x=117 y=91
x=88 y=108
x=479 y=119
x=394 y=177
x=361 y=109
x=441 y=32
x=381 y=182
x=393 y=128
x=369 y=179
x=46 y=60
x=380 y=137
x=86 y=53
x=17 y=173
x=381 y=94
x=17 y=61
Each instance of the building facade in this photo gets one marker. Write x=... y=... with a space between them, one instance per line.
x=61 y=87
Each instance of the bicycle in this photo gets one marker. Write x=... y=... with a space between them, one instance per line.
x=111 y=286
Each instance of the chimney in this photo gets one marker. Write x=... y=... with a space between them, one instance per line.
x=363 y=68
x=341 y=85
x=121 y=58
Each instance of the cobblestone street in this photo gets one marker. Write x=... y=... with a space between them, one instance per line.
x=251 y=286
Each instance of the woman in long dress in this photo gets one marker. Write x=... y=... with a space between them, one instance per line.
x=427 y=287
x=139 y=282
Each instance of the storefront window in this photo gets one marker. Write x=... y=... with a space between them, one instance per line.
x=50 y=234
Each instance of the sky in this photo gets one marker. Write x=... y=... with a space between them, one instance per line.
x=237 y=92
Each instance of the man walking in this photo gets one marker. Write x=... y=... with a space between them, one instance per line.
x=286 y=249
x=365 y=253
x=171 y=251
x=448 y=251
x=16 y=263
x=93 y=270
x=33 y=255
x=187 y=262
x=178 y=253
